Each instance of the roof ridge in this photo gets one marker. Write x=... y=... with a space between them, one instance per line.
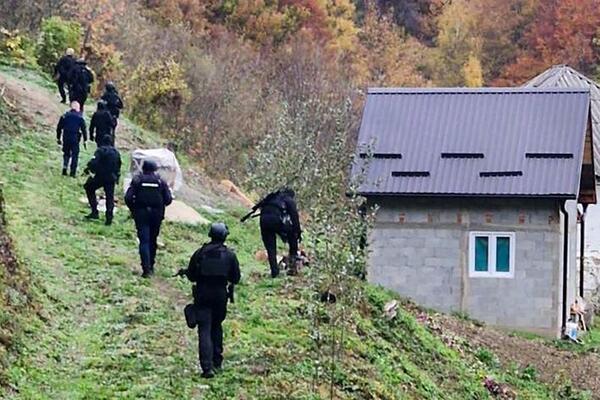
x=482 y=90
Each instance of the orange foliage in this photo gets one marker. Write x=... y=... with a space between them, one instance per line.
x=563 y=32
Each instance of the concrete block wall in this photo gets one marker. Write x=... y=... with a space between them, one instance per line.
x=419 y=248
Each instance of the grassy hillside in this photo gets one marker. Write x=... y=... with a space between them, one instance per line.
x=104 y=333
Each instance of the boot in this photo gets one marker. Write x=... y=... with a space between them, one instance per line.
x=109 y=219
x=64 y=172
x=73 y=174
x=274 y=272
x=146 y=272
x=93 y=215
x=207 y=374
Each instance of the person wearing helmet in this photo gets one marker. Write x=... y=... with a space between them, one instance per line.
x=146 y=198
x=62 y=70
x=102 y=124
x=81 y=78
x=113 y=100
x=69 y=130
x=106 y=167
x=212 y=267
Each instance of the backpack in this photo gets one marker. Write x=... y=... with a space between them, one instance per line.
x=82 y=78
x=277 y=199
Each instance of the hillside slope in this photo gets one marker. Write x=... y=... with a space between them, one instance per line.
x=103 y=333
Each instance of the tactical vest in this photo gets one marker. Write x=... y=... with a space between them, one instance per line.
x=213 y=262
x=149 y=193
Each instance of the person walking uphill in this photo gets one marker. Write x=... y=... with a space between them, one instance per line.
x=113 y=100
x=102 y=124
x=70 y=129
x=211 y=267
x=147 y=198
x=62 y=72
x=106 y=167
x=80 y=82
x=279 y=216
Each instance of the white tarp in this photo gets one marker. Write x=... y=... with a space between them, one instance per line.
x=168 y=167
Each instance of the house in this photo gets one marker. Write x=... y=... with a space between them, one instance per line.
x=563 y=76
x=477 y=192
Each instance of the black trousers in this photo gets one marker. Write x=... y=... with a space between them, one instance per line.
x=61 y=82
x=94 y=183
x=80 y=98
x=147 y=223
x=270 y=227
x=210 y=332
x=70 y=156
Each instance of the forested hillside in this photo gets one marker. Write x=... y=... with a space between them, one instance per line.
x=217 y=75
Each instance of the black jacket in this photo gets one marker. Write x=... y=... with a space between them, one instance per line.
x=71 y=126
x=102 y=124
x=213 y=266
x=81 y=78
x=106 y=164
x=148 y=191
x=113 y=102
x=282 y=203
x=64 y=66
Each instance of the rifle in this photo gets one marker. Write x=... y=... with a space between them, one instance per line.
x=257 y=206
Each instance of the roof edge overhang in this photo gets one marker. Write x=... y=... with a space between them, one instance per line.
x=464 y=195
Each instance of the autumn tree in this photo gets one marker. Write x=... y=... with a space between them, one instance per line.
x=417 y=17
x=390 y=57
x=562 y=32
x=457 y=43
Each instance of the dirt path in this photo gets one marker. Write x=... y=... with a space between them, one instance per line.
x=552 y=364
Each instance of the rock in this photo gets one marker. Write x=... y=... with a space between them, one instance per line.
x=180 y=212
x=211 y=210
x=231 y=188
x=390 y=309
x=261 y=255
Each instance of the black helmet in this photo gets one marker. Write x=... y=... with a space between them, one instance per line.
x=101 y=105
x=218 y=231
x=110 y=86
x=149 y=166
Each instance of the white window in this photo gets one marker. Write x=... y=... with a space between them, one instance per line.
x=492 y=254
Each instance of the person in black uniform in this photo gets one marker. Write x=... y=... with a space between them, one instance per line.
x=80 y=82
x=212 y=267
x=70 y=129
x=279 y=216
x=147 y=198
x=62 y=70
x=102 y=124
x=113 y=100
x=106 y=167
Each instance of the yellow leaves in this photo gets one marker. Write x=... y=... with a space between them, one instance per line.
x=473 y=73
x=157 y=94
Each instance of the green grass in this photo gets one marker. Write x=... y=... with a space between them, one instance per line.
x=104 y=333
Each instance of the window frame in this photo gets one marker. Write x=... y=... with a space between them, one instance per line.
x=492 y=246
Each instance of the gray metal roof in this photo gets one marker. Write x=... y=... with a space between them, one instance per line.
x=487 y=134
x=563 y=76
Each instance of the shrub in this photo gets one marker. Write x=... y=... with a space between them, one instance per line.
x=56 y=36
x=157 y=94
x=16 y=49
